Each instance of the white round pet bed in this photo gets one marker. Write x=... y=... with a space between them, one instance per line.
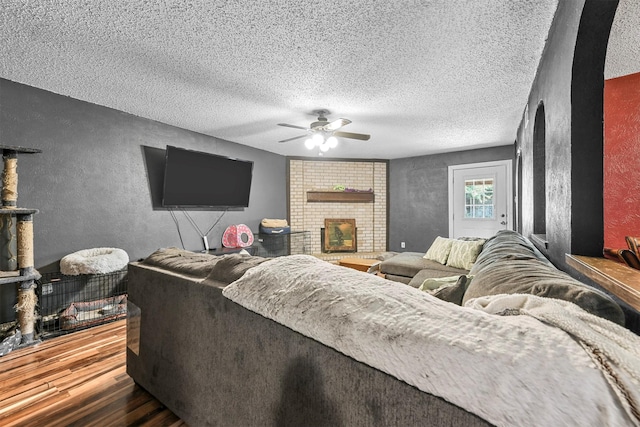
x=94 y=261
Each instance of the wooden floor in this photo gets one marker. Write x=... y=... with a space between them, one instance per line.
x=78 y=379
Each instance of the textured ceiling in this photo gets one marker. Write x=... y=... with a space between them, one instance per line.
x=623 y=50
x=420 y=76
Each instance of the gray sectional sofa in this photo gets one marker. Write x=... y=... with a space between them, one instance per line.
x=215 y=363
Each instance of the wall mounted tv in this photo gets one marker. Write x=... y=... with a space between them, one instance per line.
x=198 y=179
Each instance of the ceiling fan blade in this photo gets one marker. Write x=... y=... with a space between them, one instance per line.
x=291 y=139
x=360 y=136
x=336 y=124
x=292 y=126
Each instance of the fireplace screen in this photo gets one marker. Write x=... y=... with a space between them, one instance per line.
x=339 y=235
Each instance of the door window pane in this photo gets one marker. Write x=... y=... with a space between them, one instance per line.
x=479 y=199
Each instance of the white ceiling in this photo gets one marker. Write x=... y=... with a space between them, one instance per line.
x=623 y=50
x=420 y=76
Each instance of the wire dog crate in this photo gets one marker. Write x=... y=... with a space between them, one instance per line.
x=69 y=303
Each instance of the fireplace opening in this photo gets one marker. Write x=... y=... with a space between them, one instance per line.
x=339 y=235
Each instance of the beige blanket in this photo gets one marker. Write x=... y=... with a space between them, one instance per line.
x=615 y=350
x=509 y=370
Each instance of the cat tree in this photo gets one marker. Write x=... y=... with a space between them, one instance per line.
x=16 y=236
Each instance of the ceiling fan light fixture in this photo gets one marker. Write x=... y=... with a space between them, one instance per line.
x=318 y=139
x=332 y=142
x=324 y=134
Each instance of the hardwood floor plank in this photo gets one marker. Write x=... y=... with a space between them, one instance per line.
x=37 y=410
x=116 y=411
x=27 y=399
x=78 y=379
x=79 y=407
x=25 y=380
x=74 y=409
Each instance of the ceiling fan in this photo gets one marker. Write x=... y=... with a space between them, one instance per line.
x=322 y=132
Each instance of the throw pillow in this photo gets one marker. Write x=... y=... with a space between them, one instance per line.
x=464 y=253
x=439 y=250
x=433 y=283
x=450 y=289
x=453 y=293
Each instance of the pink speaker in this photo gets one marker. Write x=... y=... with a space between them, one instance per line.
x=237 y=236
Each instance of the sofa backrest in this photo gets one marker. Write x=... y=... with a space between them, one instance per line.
x=510 y=264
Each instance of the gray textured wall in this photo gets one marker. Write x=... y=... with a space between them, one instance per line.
x=570 y=82
x=90 y=182
x=418 y=195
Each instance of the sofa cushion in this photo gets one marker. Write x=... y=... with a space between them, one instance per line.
x=506 y=244
x=400 y=279
x=439 y=250
x=453 y=292
x=408 y=264
x=536 y=277
x=464 y=253
x=429 y=273
x=231 y=267
x=192 y=264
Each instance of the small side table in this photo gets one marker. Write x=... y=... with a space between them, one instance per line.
x=360 y=264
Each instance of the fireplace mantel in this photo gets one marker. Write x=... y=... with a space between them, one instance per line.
x=341 y=196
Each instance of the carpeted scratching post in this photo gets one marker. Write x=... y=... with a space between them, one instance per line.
x=8 y=248
x=27 y=299
x=7 y=222
x=10 y=179
x=26 y=309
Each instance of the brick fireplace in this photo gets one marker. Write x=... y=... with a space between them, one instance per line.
x=323 y=175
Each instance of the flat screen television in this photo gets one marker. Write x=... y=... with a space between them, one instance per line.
x=198 y=179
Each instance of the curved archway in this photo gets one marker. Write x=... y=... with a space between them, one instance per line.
x=539 y=172
x=518 y=189
x=587 y=140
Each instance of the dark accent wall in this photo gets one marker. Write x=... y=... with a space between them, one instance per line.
x=569 y=81
x=418 y=195
x=90 y=182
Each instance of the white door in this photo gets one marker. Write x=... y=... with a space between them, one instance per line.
x=479 y=199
